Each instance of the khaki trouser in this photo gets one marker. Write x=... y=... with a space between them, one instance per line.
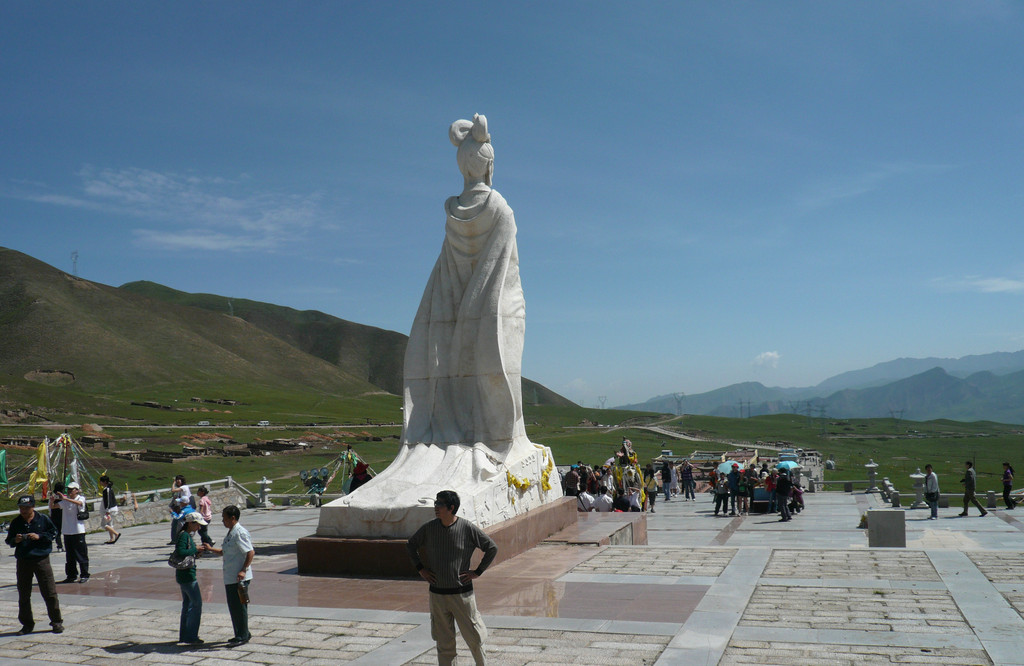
x=445 y=611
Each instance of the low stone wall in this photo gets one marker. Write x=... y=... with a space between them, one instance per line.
x=158 y=511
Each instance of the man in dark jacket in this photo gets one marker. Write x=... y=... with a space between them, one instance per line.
x=970 y=482
x=734 y=487
x=31 y=535
x=782 y=487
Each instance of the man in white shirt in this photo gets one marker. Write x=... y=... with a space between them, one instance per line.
x=75 y=548
x=238 y=552
x=584 y=502
x=603 y=502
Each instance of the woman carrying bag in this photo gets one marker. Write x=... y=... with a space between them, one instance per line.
x=191 y=597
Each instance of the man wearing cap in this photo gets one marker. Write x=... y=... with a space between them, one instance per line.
x=75 y=548
x=449 y=543
x=31 y=535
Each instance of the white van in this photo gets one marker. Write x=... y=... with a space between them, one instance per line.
x=263 y=424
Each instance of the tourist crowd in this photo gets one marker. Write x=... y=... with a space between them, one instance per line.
x=33 y=535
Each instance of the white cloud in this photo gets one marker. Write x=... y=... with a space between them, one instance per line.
x=983 y=285
x=837 y=189
x=767 y=359
x=190 y=211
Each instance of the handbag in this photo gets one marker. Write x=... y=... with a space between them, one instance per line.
x=83 y=515
x=181 y=561
x=931 y=497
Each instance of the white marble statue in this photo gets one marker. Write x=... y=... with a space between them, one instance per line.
x=463 y=425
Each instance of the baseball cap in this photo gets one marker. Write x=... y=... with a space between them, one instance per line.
x=27 y=500
x=74 y=485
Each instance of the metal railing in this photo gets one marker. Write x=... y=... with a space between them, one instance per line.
x=156 y=495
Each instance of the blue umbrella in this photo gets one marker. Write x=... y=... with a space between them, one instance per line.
x=787 y=464
x=726 y=467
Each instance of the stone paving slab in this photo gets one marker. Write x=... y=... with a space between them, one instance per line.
x=999 y=567
x=869 y=605
x=658 y=561
x=507 y=647
x=878 y=564
x=884 y=610
x=776 y=653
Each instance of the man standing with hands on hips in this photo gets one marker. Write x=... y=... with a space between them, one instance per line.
x=448 y=542
x=238 y=552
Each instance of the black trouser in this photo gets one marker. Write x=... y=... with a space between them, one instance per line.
x=1007 y=500
x=40 y=568
x=57 y=518
x=239 y=611
x=204 y=535
x=77 y=554
x=723 y=502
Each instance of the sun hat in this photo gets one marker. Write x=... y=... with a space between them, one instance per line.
x=195 y=517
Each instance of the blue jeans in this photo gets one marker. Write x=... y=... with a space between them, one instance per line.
x=688 y=486
x=668 y=491
x=191 y=612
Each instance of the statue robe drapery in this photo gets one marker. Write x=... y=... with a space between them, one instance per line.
x=464 y=357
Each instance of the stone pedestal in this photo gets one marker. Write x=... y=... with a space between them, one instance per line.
x=887 y=528
x=872 y=468
x=918 y=478
x=386 y=558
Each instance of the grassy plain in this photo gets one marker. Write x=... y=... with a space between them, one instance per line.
x=590 y=435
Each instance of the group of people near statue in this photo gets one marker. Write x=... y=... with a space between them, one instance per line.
x=617 y=485
x=33 y=535
x=970 y=484
x=733 y=491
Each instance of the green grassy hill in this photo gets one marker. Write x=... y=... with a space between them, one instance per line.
x=371 y=353
x=58 y=329
x=73 y=351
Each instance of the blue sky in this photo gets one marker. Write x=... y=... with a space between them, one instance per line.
x=706 y=193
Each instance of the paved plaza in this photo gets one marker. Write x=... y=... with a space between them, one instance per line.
x=705 y=590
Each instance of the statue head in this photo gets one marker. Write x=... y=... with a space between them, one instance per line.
x=476 y=155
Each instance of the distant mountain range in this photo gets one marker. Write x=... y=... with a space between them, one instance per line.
x=59 y=329
x=988 y=387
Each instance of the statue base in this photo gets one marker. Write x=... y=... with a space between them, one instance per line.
x=389 y=558
x=395 y=503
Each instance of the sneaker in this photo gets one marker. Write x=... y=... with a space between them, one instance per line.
x=237 y=641
x=83 y=579
x=58 y=628
x=198 y=641
x=27 y=629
